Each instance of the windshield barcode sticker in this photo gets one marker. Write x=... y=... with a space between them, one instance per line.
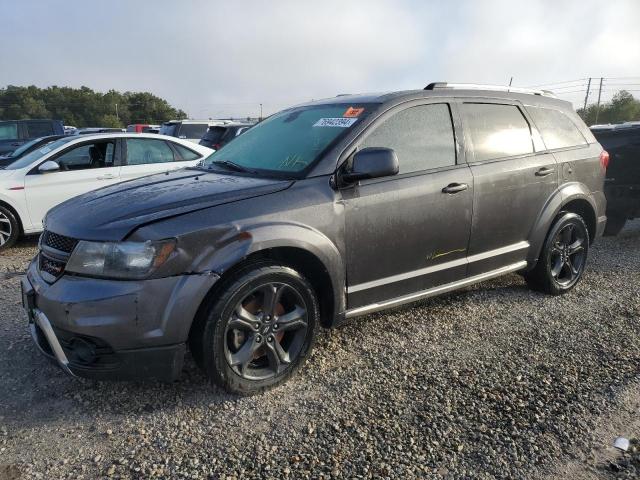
x=335 y=122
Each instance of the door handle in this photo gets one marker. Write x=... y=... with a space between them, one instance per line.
x=544 y=171
x=455 y=188
x=107 y=176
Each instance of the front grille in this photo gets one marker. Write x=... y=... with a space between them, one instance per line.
x=50 y=266
x=59 y=242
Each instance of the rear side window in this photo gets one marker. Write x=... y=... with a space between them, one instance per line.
x=193 y=130
x=497 y=131
x=421 y=136
x=144 y=151
x=39 y=129
x=8 y=130
x=557 y=130
x=186 y=153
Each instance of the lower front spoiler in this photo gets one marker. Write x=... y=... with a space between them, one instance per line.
x=55 y=351
x=160 y=363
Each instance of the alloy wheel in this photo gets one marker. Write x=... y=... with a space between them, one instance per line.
x=5 y=229
x=266 y=331
x=568 y=255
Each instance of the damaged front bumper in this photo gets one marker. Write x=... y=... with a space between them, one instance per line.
x=111 y=329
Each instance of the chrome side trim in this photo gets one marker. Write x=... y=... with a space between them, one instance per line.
x=44 y=324
x=436 y=268
x=412 y=297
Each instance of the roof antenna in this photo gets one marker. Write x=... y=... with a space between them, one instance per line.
x=510 y=82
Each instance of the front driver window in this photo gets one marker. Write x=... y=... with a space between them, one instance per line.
x=88 y=156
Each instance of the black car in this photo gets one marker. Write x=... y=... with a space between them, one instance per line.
x=218 y=136
x=320 y=213
x=14 y=133
x=622 y=184
x=27 y=148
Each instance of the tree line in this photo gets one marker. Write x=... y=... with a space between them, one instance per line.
x=83 y=107
x=623 y=107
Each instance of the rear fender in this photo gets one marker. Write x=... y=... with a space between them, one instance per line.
x=561 y=197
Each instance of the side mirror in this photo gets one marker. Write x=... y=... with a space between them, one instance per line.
x=49 y=166
x=372 y=162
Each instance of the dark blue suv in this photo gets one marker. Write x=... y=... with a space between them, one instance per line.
x=13 y=133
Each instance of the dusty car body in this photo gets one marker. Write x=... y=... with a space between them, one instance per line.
x=350 y=232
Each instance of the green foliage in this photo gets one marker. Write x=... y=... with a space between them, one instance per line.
x=623 y=107
x=82 y=107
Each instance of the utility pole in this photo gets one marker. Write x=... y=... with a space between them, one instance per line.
x=599 y=95
x=586 y=97
x=117 y=112
x=260 y=119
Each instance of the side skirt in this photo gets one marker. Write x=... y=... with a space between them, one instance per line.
x=432 y=292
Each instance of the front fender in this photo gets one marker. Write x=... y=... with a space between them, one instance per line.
x=246 y=240
x=561 y=197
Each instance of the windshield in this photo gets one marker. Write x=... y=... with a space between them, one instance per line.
x=290 y=141
x=169 y=129
x=31 y=157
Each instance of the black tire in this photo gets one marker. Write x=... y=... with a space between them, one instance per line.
x=563 y=256
x=614 y=225
x=257 y=349
x=9 y=228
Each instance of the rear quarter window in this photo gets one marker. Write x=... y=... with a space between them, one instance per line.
x=8 y=130
x=193 y=130
x=39 y=129
x=556 y=128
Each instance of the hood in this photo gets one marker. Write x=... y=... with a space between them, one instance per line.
x=111 y=213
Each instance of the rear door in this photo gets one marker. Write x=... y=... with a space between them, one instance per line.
x=146 y=156
x=83 y=167
x=513 y=178
x=408 y=233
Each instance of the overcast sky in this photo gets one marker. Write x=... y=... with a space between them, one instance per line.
x=221 y=58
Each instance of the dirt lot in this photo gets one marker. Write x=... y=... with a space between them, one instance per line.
x=492 y=382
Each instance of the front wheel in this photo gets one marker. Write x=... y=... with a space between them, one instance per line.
x=563 y=257
x=9 y=228
x=260 y=329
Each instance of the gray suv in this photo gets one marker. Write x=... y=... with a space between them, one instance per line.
x=320 y=213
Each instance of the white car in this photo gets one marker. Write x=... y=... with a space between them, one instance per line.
x=74 y=165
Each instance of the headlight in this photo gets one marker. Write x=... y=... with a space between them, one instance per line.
x=126 y=260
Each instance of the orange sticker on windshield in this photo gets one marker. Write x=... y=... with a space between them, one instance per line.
x=352 y=112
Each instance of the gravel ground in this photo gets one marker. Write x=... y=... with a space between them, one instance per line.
x=494 y=381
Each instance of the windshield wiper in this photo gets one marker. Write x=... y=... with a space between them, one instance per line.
x=232 y=166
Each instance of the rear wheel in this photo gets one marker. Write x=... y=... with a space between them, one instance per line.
x=260 y=329
x=563 y=257
x=614 y=225
x=9 y=228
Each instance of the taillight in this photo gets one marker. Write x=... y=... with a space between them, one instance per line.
x=604 y=159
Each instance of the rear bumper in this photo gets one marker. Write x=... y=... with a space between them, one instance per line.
x=105 y=329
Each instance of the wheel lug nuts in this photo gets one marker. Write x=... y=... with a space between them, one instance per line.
x=270 y=339
x=257 y=326
x=275 y=327
x=258 y=338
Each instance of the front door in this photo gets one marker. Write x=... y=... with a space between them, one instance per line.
x=83 y=168
x=409 y=232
